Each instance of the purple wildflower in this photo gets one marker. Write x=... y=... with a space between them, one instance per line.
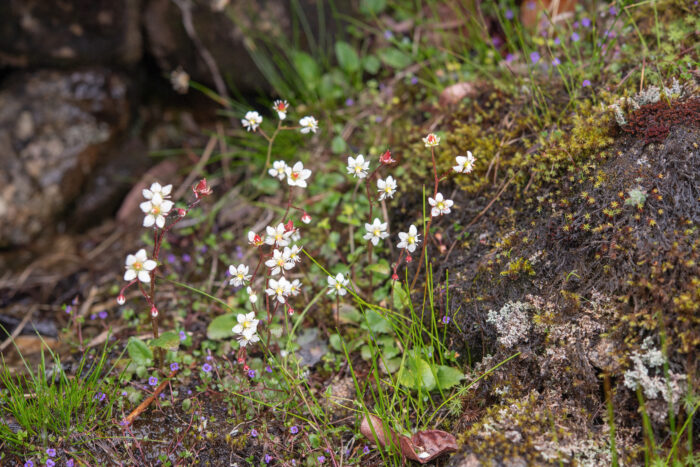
x=575 y=37
x=534 y=57
x=100 y=396
x=124 y=393
x=93 y=317
x=575 y=25
x=68 y=309
x=268 y=369
x=414 y=80
x=586 y=22
x=29 y=463
x=171 y=258
x=152 y=381
x=388 y=35
x=613 y=10
x=445 y=319
x=174 y=366
x=378 y=118
x=70 y=463
x=50 y=463
x=557 y=41
x=51 y=452
x=556 y=62
x=509 y=14
x=186 y=258
x=268 y=458
x=254 y=433
x=349 y=102
x=203 y=249
x=365 y=450
x=239 y=252
x=586 y=83
x=321 y=459
x=251 y=373
x=531 y=5
x=510 y=57
x=102 y=314
x=206 y=368
x=209 y=358
x=183 y=336
x=294 y=429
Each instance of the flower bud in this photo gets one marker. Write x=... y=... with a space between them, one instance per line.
x=154 y=311
x=394 y=277
x=306 y=218
x=409 y=258
x=181 y=212
x=290 y=311
x=201 y=189
x=386 y=158
x=121 y=299
x=246 y=368
x=289 y=226
x=241 y=360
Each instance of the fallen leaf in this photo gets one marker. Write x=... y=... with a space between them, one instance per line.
x=422 y=447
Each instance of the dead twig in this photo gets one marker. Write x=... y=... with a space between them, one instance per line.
x=144 y=405
x=18 y=329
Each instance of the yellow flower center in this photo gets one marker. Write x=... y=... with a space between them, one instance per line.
x=376 y=232
x=137 y=266
x=441 y=206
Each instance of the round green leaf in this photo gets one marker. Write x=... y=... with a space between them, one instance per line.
x=139 y=352
x=222 y=326
x=448 y=376
x=347 y=57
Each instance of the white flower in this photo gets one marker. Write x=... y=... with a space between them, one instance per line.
x=440 y=206
x=156 y=209
x=337 y=284
x=296 y=235
x=252 y=121
x=245 y=339
x=252 y=296
x=464 y=164
x=254 y=239
x=247 y=324
x=278 y=170
x=156 y=188
x=306 y=218
x=409 y=240
x=279 y=262
x=280 y=107
x=295 y=288
x=140 y=266
x=239 y=275
x=297 y=175
x=358 y=167
x=375 y=231
x=386 y=187
x=278 y=235
x=293 y=253
x=279 y=288
x=308 y=124
x=431 y=140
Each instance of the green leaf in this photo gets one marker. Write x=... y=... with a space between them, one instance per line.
x=338 y=145
x=376 y=322
x=392 y=365
x=417 y=374
x=307 y=68
x=401 y=298
x=336 y=343
x=139 y=352
x=372 y=7
x=394 y=58
x=222 y=326
x=347 y=57
x=366 y=352
x=371 y=64
x=169 y=340
x=448 y=376
x=379 y=268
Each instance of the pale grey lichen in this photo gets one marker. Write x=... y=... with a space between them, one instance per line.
x=512 y=322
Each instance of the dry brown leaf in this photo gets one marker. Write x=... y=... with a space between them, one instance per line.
x=422 y=447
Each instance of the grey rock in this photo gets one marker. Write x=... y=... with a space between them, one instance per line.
x=54 y=127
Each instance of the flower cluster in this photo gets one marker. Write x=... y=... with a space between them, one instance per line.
x=246 y=329
x=296 y=175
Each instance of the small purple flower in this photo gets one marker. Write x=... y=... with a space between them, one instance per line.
x=586 y=83
x=50 y=463
x=209 y=358
x=268 y=458
x=253 y=433
x=189 y=392
x=206 y=368
x=70 y=463
x=365 y=450
x=388 y=35
x=575 y=25
x=93 y=317
x=575 y=37
x=186 y=258
x=100 y=396
x=586 y=22
x=294 y=429
x=51 y=452
x=534 y=57
x=268 y=369
x=162 y=395
x=29 y=463
x=509 y=14
x=557 y=41
x=556 y=62
x=239 y=252
x=174 y=366
x=613 y=10
x=445 y=319
x=510 y=57
x=414 y=80
x=183 y=336
x=378 y=118
x=251 y=373
x=321 y=459
x=171 y=258
x=102 y=314
x=203 y=249
x=496 y=41
x=69 y=309
x=124 y=393
x=531 y=5
x=152 y=381
x=612 y=34
x=349 y=102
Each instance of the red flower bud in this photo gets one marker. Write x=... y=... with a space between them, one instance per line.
x=246 y=368
x=241 y=361
x=121 y=299
x=289 y=226
x=181 y=212
x=394 y=277
x=306 y=218
x=409 y=258
x=154 y=311
x=201 y=189
x=386 y=158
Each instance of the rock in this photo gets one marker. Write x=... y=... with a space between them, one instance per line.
x=54 y=126
x=36 y=33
